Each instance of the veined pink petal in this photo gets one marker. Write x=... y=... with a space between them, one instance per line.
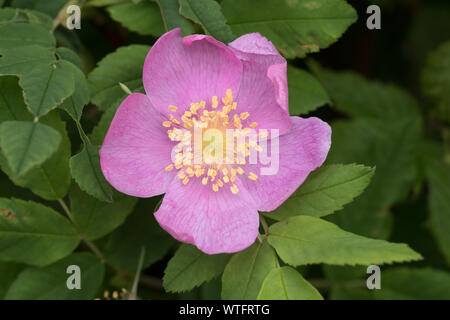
x=181 y=71
x=136 y=149
x=215 y=222
x=258 y=97
x=253 y=47
x=301 y=151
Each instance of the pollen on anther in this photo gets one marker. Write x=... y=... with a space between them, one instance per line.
x=252 y=176
x=234 y=189
x=169 y=167
x=215 y=102
x=172 y=108
x=254 y=124
x=167 y=124
x=205 y=180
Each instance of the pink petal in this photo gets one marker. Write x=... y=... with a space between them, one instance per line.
x=258 y=96
x=216 y=222
x=136 y=149
x=253 y=47
x=301 y=151
x=180 y=71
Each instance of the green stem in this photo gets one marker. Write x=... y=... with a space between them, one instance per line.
x=133 y=293
x=90 y=244
x=264 y=224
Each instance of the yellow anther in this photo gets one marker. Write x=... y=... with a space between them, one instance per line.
x=167 y=124
x=228 y=98
x=240 y=170
x=226 y=179
x=169 y=167
x=185 y=180
x=215 y=102
x=234 y=189
x=254 y=124
x=172 y=108
x=205 y=180
x=244 y=115
x=234 y=106
x=178 y=166
x=198 y=172
x=215 y=187
x=219 y=183
x=190 y=172
x=181 y=175
x=176 y=121
x=252 y=176
x=224 y=171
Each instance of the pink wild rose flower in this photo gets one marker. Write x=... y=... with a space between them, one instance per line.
x=198 y=82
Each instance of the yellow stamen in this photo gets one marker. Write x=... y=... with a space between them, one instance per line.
x=169 y=167
x=244 y=115
x=252 y=176
x=234 y=189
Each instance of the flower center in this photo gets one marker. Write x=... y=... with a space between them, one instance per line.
x=214 y=159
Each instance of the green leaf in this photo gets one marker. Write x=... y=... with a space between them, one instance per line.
x=33 y=233
x=170 y=12
x=95 y=218
x=69 y=55
x=306 y=93
x=125 y=66
x=75 y=103
x=295 y=28
x=27 y=144
x=190 y=267
x=208 y=14
x=326 y=190
x=414 y=284
x=12 y=106
x=306 y=240
x=85 y=168
x=50 y=283
x=51 y=179
x=438 y=174
x=246 y=271
x=8 y=273
x=143 y=17
x=353 y=94
x=46 y=86
x=139 y=230
x=286 y=283
x=101 y=3
x=391 y=146
x=18 y=61
x=51 y=8
x=24 y=34
x=436 y=79
x=99 y=132
x=14 y=15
